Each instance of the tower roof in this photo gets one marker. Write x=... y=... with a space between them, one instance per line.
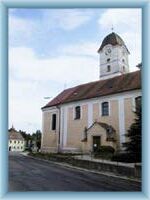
x=113 y=39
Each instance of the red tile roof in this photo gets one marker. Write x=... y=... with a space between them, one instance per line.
x=118 y=84
x=14 y=135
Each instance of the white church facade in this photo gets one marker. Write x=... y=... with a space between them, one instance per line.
x=82 y=118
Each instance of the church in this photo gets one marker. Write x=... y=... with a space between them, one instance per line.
x=84 y=117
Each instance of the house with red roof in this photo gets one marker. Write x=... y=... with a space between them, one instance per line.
x=16 y=140
x=82 y=118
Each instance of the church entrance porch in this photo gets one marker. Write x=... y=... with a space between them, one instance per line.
x=97 y=135
x=96 y=143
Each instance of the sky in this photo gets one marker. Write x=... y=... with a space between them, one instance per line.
x=53 y=49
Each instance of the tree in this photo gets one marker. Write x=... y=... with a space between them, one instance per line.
x=134 y=144
x=26 y=136
x=36 y=137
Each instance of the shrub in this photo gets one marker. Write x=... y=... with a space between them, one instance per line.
x=125 y=157
x=104 y=152
x=134 y=143
x=106 y=149
x=28 y=149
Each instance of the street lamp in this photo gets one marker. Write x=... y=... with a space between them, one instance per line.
x=47 y=97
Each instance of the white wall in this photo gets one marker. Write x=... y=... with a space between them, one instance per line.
x=16 y=145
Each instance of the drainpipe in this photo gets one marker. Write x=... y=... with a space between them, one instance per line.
x=59 y=128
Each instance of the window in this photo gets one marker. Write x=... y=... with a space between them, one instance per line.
x=123 y=60
x=105 y=109
x=54 y=122
x=15 y=141
x=108 y=68
x=108 y=59
x=77 y=112
x=138 y=101
x=123 y=68
x=10 y=141
x=18 y=142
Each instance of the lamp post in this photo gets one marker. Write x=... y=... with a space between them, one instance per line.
x=47 y=97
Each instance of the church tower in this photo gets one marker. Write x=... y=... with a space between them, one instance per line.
x=113 y=56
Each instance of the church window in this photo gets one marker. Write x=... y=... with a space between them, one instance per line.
x=138 y=101
x=108 y=59
x=108 y=68
x=77 y=112
x=10 y=141
x=105 y=109
x=54 y=122
x=123 y=60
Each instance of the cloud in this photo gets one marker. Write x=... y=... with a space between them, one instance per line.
x=25 y=65
x=23 y=28
x=32 y=78
x=128 y=24
x=121 y=17
x=67 y=19
x=20 y=28
x=81 y=49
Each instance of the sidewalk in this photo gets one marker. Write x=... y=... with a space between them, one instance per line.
x=90 y=158
x=128 y=170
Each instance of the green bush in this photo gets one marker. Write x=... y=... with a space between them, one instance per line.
x=106 y=149
x=28 y=149
x=125 y=157
x=104 y=152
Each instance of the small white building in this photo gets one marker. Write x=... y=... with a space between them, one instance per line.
x=16 y=140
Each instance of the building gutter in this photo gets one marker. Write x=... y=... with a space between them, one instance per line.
x=59 y=111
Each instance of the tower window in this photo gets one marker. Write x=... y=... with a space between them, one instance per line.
x=77 y=112
x=105 y=109
x=123 y=60
x=108 y=68
x=123 y=68
x=54 y=122
x=108 y=59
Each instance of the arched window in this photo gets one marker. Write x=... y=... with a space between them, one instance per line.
x=105 y=109
x=108 y=68
x=77 y=112
x=53 y=121
x=138 y=101
x=108 y=60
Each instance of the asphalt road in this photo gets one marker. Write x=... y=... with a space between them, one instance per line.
x=28 y=174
